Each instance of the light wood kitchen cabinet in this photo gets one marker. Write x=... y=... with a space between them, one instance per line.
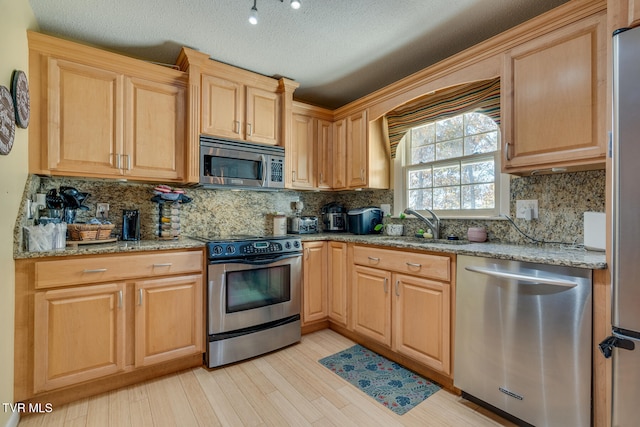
x=421 y=318
x=554 y=99
x=339 y=155
x=357 y=150
x=634 y=13
x=79 y=334
x=371 y=303
x=302 y=152
x=314 y=277
x=231 y=109
x=102 y=115
x=337 y=286
x=84 y=319
x=403 y=300
x=324 y=150
x=168 y=318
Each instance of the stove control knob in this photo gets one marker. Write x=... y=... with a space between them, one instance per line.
x=217 y=250
x=296 y=244
x=231 y=250
x=287 y=245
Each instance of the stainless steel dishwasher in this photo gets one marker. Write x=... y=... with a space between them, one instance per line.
x=523 y=339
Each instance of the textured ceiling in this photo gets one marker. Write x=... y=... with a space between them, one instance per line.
x=338 y=50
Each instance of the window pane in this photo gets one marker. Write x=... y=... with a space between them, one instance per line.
x=421 y=178
x=423 y=154
x=479 y=171
x=420 y=199
x=423 y=135
x=482 y=143
x=480 y=196
x=478 y=123
x=449 y=129
x=446 y=175
x=446 y=198
x=449 y=149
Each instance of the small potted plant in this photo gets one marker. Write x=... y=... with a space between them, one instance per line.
x=392 y=229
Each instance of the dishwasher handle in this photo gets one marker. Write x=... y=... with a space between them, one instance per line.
x=524 y=277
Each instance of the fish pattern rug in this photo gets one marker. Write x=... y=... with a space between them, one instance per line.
x=389 y=383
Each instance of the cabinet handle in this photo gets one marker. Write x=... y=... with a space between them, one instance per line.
x=236 y=126
x=165 y=264
x=362 y=174
x=373 y=259
x=307 y=250
x=397 y=288
x=411 y=264
x=120 y=299
x=140 y=296
x=97 y=270
x=386 y=285
x=249 y=129
x=507 y=156
x=293 y=176
x=321 y=177
x=128 y=157
x=117 y=161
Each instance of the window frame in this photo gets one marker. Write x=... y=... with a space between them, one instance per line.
x=401 y=168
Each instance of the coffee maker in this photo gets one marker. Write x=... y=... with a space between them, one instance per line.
x=334 y=217
x=130 y=224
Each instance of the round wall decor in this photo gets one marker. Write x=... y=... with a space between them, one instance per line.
x=20 y=91
x=7 y=121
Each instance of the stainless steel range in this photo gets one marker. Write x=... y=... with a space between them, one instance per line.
x=253 y=296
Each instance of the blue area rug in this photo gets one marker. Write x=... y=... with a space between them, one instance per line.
x=391 y=384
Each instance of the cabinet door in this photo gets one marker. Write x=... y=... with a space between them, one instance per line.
x=324 y=148
x=314 y=291
x=634 y=13
x=155 y=130
x=337 y=285
x=168 y=319
x=554 y=92
x=78 y=335
x=422 y=321
x=302 y=156
x=339 y=155
x=357 y=150
x=85 y=119
x=371 y=303
x=222 y=107
x=262 y=116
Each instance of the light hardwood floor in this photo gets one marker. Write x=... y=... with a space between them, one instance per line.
x=285 y=388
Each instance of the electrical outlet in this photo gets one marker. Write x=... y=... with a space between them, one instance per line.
x=102 y=210
x=527 y=209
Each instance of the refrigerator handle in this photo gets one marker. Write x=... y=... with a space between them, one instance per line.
x=606 y=346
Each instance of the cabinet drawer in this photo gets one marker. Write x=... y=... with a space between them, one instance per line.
x=417 y=264
x=49 y=274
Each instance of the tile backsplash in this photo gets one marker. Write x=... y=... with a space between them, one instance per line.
x=562 y=200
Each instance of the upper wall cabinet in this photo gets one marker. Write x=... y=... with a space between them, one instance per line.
x=554 y=99
x=99 y=114
x=229 y=102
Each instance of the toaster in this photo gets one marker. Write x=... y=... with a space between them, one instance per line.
x=364 y=220
x=302 y=225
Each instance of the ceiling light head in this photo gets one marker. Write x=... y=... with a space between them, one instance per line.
x=253 y=15
x=295 y=4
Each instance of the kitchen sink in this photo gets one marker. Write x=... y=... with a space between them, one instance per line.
x=412 y=239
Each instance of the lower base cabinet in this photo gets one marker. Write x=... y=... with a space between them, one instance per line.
x=396 y=302
x=92 y=318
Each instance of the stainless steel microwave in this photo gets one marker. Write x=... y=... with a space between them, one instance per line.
x=235 y=164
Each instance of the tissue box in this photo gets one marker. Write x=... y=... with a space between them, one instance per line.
x=595 y=231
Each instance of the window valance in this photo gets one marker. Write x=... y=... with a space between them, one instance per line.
x=480 y=96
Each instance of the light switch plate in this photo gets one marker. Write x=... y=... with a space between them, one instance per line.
x=102 y=210
x=527 y=209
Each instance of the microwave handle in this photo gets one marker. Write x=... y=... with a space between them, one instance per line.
x=263 y=166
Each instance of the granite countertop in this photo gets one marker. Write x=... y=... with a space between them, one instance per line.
x=115 y=247
x=544 y=254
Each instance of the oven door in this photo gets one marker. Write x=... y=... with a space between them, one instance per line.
x=247 y=293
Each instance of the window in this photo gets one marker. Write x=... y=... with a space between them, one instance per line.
x=452 y=166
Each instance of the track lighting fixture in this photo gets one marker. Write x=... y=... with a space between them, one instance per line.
x=253 y=14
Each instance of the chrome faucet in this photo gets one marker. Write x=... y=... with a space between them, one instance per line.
x=434 y=222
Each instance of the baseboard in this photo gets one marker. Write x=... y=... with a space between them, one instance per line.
x=14 y=419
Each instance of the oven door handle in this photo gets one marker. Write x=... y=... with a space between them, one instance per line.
x=257 y=261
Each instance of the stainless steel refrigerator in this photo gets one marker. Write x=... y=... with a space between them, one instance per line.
x=624 y=344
